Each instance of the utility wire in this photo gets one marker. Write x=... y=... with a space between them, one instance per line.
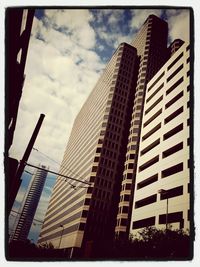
x=67 y=169
x=19 y=213
x=68 y=177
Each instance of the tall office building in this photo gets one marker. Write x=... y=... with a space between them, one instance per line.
x=30 y=205
x=104 y=145
x=162 y=191
x=96 y=152
x=151 y=44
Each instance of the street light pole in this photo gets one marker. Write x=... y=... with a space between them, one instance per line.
x=61 y=235
x=167 y=215
x=164 y=192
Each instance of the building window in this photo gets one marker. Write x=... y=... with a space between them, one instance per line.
x=174 y=192
x=151 y=146
x=174 y=100
x=175 y=60
x=149 y=163
x=172 y=170
x=152 y=131
x=131 y=156
x=176 y=84
x=84 y=213
x=96 y=159
x=188 y=215
x=126 y=197
x=130 y=166
x=81 y=226
x=173 y=131
x=92 y=178
x=173 y=115
x=89 y=191
x=124 y=209
x=155 y=82
x=128 y=187
x=152 y=118
x=172 y=150
x=144 y=222
x=147 y=181
x=154 y=104
x=87 y=201
x=172 y=217
x=129 y=176
x=145 y=201
x=155 y=92
x=188 y=141
x=175 y=72
x=123 y=222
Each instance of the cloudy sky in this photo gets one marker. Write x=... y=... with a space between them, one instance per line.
x=68 y=51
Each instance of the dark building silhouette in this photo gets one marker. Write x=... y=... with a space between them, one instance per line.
x=18 y=30
x=151 y=45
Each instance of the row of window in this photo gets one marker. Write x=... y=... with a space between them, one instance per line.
x=166 y=153
x=169 y=151
x=172 y=116
x=168 y=79
x=63 y=213
x=170 y=193
x=171 y=218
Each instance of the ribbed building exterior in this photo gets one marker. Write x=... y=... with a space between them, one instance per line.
x=112 y=141
x=96 y=152
x=151 y=45
x=164 y=153
x=30 y=205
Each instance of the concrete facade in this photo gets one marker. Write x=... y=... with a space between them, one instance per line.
x=96 y=152
x=151 y=44
x=164 y=153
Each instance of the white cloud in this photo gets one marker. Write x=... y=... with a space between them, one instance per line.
x=140 y=15
x=179 y=26
x=75 y=22
x=61 y=70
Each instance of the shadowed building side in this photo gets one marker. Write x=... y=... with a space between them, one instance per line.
x=151 y=45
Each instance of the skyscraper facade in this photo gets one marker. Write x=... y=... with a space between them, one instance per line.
x=151 y=45
x=106 y=141
x=162 y=191
x=96 y=152
x=30 y=205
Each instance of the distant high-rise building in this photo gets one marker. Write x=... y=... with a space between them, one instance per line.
x=30 y=205
x=162 y=186
x=174 y=46
x=105 y=146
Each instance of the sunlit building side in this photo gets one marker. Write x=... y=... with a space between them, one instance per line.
x=162 y=191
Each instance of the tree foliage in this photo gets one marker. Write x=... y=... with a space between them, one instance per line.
x=148 y=244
